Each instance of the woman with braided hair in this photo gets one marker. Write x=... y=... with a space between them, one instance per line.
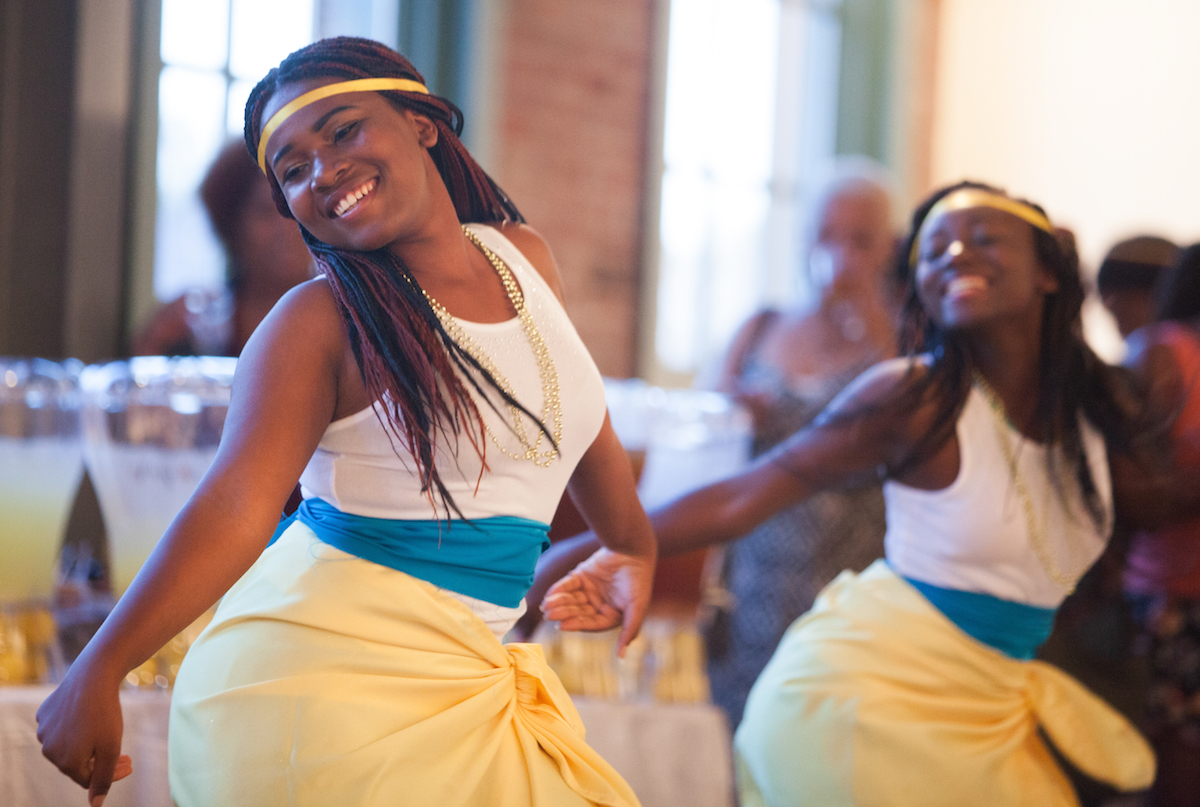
x=432 y=398
x=1004 y=444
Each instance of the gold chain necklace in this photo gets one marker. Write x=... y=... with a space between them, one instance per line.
x=1037 y=536
x=551 y=403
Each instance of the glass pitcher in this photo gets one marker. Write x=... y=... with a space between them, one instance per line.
x=151 y=427
x=41 y=464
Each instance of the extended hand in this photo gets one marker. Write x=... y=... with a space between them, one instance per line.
x=606 y=590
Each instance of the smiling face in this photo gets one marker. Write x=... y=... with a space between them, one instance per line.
x=353 y=168
x=979 y=265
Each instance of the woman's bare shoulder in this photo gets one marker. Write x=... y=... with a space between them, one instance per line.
x=885 y=381
x=307 y=314
x=533 y=246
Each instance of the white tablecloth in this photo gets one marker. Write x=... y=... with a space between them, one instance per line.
x=27 y=779
x=671 y=755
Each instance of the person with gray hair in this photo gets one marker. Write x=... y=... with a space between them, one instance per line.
x=784 y=366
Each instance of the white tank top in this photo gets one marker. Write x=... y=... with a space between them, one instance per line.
x=356 y=469
x=974 y=534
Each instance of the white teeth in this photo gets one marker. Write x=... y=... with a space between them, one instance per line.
x=964 y=285
x=352 y=198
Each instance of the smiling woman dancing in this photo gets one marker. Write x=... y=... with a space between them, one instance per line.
x=355 y=659
x=1004 y=444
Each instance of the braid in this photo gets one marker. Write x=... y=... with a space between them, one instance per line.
x=408 y=363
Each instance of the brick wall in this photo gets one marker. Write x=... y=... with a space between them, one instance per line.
x=573 y=113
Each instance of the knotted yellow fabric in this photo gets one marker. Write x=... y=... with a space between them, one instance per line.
x=875 y=698
x=327 y=679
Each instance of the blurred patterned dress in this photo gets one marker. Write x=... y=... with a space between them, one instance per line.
x=772 y=575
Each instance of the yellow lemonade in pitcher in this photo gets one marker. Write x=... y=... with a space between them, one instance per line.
x=38 y=480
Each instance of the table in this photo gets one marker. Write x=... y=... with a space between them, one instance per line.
x=671 y=754
x=27 y=779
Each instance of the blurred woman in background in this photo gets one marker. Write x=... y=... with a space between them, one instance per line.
x=785 y=366
x=265 y=256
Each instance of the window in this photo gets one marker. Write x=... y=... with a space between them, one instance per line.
x=751 y=111
x=213 y=52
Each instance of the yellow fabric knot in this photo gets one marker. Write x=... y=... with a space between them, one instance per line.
x=538 y=688
x=875 y=697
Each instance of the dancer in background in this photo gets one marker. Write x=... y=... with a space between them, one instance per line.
x=1162 y=572
x=785 y=367
x=265 y=256
x=432 y=397
x=1127 y=277
x=1005 y=445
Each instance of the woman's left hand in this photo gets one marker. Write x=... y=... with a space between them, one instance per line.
x=606 y=590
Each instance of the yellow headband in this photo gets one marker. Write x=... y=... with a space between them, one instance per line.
x=337 y=88
x=967 y=198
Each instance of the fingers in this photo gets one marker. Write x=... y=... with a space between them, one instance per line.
x=631 y=623
x=124 y=767
x=561 y=610
x=581 y=609
x=104 y=767
x=80 y=774
x=566 y=585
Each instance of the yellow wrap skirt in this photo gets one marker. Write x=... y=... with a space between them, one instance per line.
x=325 y=679
x=875 y=698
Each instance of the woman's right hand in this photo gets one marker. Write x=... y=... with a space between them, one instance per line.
x=80 y=726
x=606 y=590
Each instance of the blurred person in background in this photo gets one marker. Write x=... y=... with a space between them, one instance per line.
x=266 y=256
x=1162 y=572
x=785 y=366
x=1127 y=277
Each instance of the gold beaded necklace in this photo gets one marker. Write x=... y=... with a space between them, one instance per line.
x=551 y=403
x=1037 y=533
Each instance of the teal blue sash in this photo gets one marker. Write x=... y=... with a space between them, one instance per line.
x=1013 y=628
x=490 y=559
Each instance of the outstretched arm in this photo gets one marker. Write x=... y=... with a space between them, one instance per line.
x=858 y=434
x=284 y=395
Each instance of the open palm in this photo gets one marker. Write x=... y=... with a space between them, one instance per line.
x=606 y=590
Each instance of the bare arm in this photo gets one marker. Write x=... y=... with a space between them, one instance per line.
x=1150 y=499
x=858 y=434
x=617 y=578
x=284 y=395
x=1153 y=497
x=617 y=574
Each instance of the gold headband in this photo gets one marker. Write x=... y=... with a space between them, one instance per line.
x=967 y=198
x=337 y=88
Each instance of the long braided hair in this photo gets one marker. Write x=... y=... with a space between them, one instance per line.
x=1071 y=377
x=407 y=360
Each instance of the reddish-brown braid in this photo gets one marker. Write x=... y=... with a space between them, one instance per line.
x=406 y=358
